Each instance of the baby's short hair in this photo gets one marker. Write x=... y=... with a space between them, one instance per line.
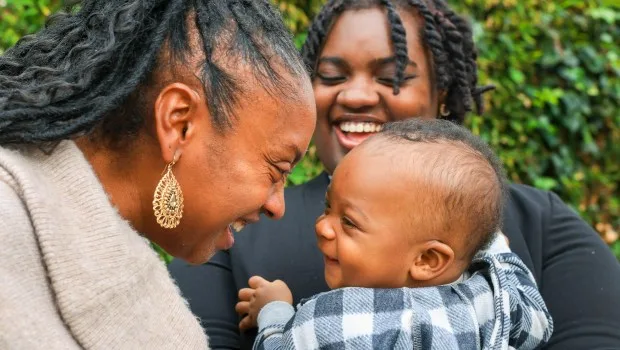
x=476 y=184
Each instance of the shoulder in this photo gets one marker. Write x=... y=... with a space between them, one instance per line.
x=532 y=200
x=527 y=198
x=362 y=299
x=527 y=210
x=534 y=209
x=19 y=250
x=536 y=222
x=526 y=222
x=14 y=218
x=25 y=296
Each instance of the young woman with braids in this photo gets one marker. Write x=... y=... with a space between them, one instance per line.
x=172 y=120
x=374 y=61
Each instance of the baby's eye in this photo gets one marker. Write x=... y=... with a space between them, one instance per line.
x=347 y=222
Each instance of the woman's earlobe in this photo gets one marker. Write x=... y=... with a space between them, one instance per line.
x=442 y=108
x=177 y=155
x=176 y=109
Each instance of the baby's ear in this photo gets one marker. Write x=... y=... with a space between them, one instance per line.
x=432 y=260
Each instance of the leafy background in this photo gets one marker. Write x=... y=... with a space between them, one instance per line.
x=554 y=118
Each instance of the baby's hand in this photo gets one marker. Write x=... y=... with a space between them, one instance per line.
x=260 y=293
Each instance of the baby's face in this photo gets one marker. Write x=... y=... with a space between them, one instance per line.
x=368 y=231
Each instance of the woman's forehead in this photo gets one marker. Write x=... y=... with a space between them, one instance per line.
x=287 y=121
x=367 y=31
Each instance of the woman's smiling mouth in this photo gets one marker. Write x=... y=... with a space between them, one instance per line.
x=351 y=133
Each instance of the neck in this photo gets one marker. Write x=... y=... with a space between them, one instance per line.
x=119 y=181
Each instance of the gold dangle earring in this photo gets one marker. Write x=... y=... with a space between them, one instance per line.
x=168 y=199
x=443 y=110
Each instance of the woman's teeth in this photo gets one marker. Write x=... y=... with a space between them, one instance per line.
x=237 y=225
x=360 y=127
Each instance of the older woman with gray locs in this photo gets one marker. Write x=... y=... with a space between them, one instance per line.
x=126 y=120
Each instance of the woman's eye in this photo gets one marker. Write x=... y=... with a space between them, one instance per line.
x=390 y=81
x=386 y=81
x=331 y=79
x=280 y=174
x=284 y=174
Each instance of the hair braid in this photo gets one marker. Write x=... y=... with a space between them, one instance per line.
x=249 y=45
x=434 y=41
x=454 y=47
x=399 y=40
x=317 y=32
x=39 y=100
x=469 y=47
x=206 y=19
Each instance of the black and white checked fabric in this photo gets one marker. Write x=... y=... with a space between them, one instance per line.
x=498 y=307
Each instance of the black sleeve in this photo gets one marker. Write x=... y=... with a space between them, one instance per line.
x=580 y=283
x=212 y=295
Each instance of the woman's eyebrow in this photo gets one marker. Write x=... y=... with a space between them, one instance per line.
x=392 y=59
x=290 y=148
x=331 y=59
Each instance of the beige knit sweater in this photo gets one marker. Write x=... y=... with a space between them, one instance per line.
x=73 y=273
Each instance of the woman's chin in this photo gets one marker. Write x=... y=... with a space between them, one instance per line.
x=202 y=253
x=225 y=240
x=198 y=256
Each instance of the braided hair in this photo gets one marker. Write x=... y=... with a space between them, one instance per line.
x=446 y=35
x=89 y=70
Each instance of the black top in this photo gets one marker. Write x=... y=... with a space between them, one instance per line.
x=578 y=276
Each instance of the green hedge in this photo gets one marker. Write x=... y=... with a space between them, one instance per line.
x=554 y=118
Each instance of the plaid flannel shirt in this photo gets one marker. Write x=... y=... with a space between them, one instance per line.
x=498 y=307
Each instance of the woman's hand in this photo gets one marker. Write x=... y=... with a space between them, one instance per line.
x=260 y=293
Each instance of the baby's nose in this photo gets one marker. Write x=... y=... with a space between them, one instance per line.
x=323 y=228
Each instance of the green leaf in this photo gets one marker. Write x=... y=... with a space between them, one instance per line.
x=165 y=257
x=516 y=76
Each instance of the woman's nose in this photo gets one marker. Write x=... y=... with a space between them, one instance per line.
x=324 y=229
x=358 y=94
x=274 y=207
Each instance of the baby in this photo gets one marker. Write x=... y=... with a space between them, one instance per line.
x=412 y=254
